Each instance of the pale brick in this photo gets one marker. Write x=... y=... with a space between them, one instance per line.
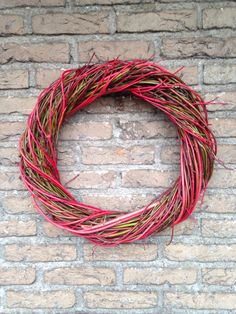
x=53 y=231
x=125 y=252
x=159 y=276
x=218 y=203
x=188 y=74
x=147 y=178
x=11 y=24
x=73 y=23
x=44 y=77
x=17 y=275
x=219 y=276
x=119 y=104
x=18 y=205
x=118 y=155
x=13 y=79
x=201 y=300
x=223 y=178
x=120 y=299
x=170 y=154
x=37 y=3
x=41 y=299
x=219 y=17
x=219 y=74
x=171 y=21
x=199 y=47
x=22 y=105
x=17 y=228
x=86 y=131
x=186 y=227
x=106 y=50
x=116 y=202
x=223 y=127
x=67 y=156
x=217 y=228
x=146 y=129
x=89 y=179
x=40 y=252
x=227 y=153
x=229 y=99
x=34 y=52
x=9 y=156
x=10 y=131
x=80 y=276
x=200 y=252
x=104 y=2
x=11 y=181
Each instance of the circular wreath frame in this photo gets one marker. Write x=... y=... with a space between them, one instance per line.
x=77 y=88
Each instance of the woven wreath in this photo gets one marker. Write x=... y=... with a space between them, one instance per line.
x=77 y=88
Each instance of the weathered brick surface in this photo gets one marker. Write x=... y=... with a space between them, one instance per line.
x=146 y=252
x=41 y=299
x=40 y=253
x=17 y=275
x=80 y=276
x=11 y=24
x=33 y=3
x=17 y=228
x=171 y=21
x=80 y=23
x=13 y=79
x=120 y=300
x=201 y=300
x=220 y=74
x=158 y=276
x=106 y=50
x=219 y=17
x=219 y=276
x=199 y=47
x=118 y=153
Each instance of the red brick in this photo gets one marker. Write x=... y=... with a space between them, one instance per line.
x=11 y=24
x=105 y=50
x=13 y=79
x=75 y=23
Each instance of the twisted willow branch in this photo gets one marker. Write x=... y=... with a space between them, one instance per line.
x=77 y=88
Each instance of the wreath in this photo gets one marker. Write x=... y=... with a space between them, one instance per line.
x=76 y=89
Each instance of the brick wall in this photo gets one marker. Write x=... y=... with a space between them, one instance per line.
x=124 y=152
